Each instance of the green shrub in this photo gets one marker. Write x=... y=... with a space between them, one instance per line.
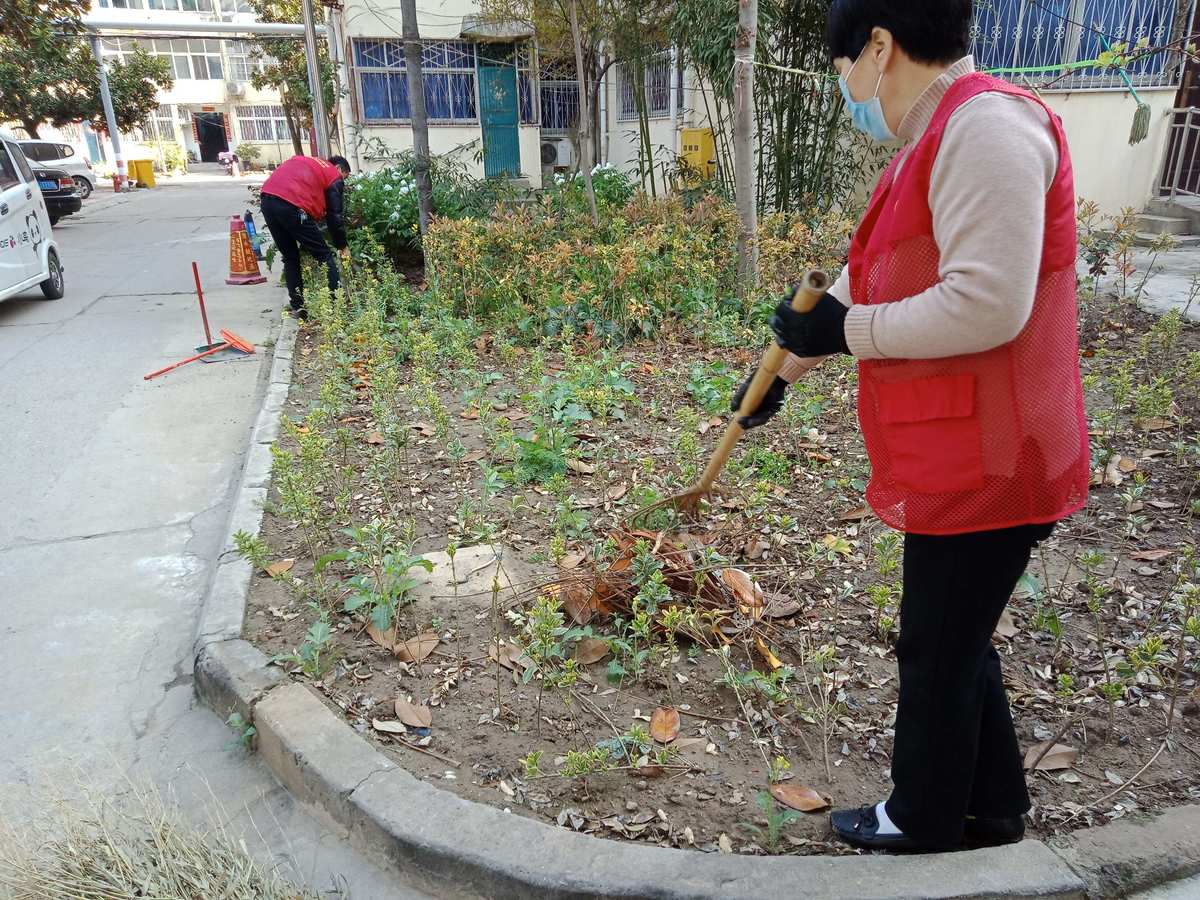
x=248 y=153
x=540 y=271
x=169 y=156
x=613 y=188
x=385 y=201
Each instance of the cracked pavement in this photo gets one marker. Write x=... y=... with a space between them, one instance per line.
x=114 y=494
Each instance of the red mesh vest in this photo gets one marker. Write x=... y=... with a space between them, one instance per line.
x=986 y=440
x=302 y=181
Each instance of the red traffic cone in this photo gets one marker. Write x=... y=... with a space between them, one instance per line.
x=243 y=267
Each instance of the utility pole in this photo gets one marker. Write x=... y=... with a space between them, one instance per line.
x=416 y=109
x=745 y=183
x=320 y=120
x=110 y=117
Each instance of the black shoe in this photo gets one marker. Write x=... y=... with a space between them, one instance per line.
x=299 y=312
x=858 y=827
x=989 y=832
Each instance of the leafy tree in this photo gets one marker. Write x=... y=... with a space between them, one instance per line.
x=134 y=85
x=48 y=72
x=286 y=68
x=41 y=70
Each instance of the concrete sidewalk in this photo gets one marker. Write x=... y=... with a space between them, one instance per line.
x=115 y=495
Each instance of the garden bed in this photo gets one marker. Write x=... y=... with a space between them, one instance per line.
x=759 y=661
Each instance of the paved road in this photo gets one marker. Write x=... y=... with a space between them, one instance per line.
x=113 y=499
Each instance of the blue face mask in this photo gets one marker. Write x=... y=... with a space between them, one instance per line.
x=867 y=115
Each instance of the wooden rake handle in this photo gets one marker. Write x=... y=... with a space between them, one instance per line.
x=811 y=289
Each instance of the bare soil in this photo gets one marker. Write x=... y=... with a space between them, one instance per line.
x=792 y=517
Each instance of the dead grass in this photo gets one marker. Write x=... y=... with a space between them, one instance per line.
x=97 y=848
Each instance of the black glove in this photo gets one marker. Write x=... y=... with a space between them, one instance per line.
x=821 y=332
x=771 y=404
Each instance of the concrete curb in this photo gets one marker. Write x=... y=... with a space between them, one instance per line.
x=456 y=847
x=224 y=609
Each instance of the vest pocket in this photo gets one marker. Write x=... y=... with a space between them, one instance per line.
x=932 y=434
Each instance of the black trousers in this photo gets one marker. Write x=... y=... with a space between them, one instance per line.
x=956 y=752
x=293 y=231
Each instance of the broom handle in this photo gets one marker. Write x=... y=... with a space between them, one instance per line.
x=814 y=285
x=200 y=296
x=184 y=362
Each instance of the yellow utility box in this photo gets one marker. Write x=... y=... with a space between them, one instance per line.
x=700 y=152
x=142 y=171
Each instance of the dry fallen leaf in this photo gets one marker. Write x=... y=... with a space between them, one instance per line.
x=571 y=561
x=387 y=639
x=724 y=844
x=1150 y=555
x=1125 y=464
x=772 y=660
x=855 y=515
x=781 y=608
x=1006 y=627
x=413 y=715
x=591 y=650
x=576 y=600
x=508 y=655
x=750 y=598
x=754 y=548
x=374 y=438
x=581 y=468
x=424 y=428
x=1058 y=757
x=279 y=567
x=470 y=414
x=388 y=726
x=799 y=796
x=1156 y=424
x=664 y=724
x=617 y=491
x=416 y=649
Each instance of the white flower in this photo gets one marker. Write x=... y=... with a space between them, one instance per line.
x=387 y=187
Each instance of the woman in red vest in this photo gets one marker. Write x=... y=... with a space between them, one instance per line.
x=959 y=304
x=300 y=193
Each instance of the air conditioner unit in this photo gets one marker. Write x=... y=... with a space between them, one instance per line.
x=558 y=153
x=235 y=88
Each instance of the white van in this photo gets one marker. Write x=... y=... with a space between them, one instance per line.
x=28 y=253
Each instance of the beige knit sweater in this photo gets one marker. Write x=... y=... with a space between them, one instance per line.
x=997 y=160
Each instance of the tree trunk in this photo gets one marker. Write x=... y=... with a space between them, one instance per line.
x=31 y=128
x=416 y=104
x=585 y=115
x=743 y=145
x=289 y=116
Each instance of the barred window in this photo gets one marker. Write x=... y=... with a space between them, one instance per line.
x=559 y=93
x=262 y=124
x=448 y=76
x=1050 y=37
x=656 y=76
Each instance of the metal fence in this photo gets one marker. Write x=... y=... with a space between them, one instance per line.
x=1181 y=167
x=1044 y=39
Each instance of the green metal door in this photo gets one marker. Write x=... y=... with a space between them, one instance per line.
x=498 y=112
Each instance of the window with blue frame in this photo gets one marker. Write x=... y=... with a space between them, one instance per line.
x=1050 y=35
x=448 y=76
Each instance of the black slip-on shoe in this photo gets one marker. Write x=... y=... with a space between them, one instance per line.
x=860 y=827
x=981 y=831
x=299 y=312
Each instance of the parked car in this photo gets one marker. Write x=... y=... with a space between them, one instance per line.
x=59 y=190
x=29 y=254
x=56 y=155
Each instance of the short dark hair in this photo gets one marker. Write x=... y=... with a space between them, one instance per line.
x=929 y=31
x=340 y=162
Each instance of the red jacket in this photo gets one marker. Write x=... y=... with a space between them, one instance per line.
x=986 y=440
x=302 y=181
